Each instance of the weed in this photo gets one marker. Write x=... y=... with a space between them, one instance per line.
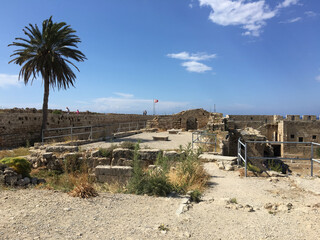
x=129 y=145
x=150 y=182
x=195 y=196
x=163 y=227
x=20 y=165
x=17 y=152
x=75 y=163
x=57 y=111
x=253 y=168
x=233 y=200
x=84 y=190
x=107 y=152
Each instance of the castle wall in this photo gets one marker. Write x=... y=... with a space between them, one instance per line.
x=19 y=126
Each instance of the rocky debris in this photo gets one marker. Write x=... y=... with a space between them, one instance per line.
x=224 y=162
x=171 y=154
x=275 y=174
x=184 y=206
x=61 y=149
x=8 y=176
x=149 y=155
x=278 y=207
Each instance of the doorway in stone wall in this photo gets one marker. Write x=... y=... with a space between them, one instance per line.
x=192 y=124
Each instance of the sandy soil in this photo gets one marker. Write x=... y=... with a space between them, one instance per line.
x=175 y=140
x=294 y=213
x=44 y=214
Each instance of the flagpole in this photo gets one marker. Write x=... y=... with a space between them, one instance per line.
x=154 y=104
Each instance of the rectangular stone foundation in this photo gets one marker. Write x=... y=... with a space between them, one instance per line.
x=115 y=174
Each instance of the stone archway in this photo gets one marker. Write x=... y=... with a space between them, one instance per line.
x=192 y=124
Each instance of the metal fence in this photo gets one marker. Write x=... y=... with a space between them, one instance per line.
x=203 y=137
x=129 y=126
x=92 y=132
x=243 y=153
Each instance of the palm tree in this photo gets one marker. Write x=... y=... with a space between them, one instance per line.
x=47 y=53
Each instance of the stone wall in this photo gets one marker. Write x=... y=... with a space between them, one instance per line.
x=17 y=126
x=298 y=131
x=186 y=120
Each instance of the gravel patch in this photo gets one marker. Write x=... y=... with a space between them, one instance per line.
x=261 y=211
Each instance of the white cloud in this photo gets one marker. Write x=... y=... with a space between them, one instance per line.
x=318 y=78
x=293 y=20
x=7 y=80
x=287 y=3
x=193 y=66
x=192 y=63
x=125 y=95
x=192 y=56
x=251 y=15
x=310 y=14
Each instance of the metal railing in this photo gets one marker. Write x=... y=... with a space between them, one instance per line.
x=104 y=130
x=203 y=137
x=129 y=126
x=244 y=147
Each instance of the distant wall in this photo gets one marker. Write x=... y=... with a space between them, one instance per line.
x=190 y=119
x=17 y=126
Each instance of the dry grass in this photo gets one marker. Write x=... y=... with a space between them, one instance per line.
x=110 y=187
x=196 y=179
x=84 y=190
x=17 y=152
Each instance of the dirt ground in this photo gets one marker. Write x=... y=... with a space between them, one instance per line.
x=146 y=141
x=44 y=214
x=232 y=207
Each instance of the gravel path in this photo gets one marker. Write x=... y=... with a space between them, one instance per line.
x=44 y=214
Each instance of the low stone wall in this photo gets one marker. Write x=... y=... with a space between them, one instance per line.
x=116 y=174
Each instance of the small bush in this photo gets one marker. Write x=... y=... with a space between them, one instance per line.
x=129 y=145
x=74 y=163
x=17 y=152
x=233 y=200
x=107 y=152
x=150 y=182
x=84 y=190
x=195 y=196
x=20 y=165
x=57 y=112
x=253 y=168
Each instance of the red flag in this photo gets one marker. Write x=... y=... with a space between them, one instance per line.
x=155 y=100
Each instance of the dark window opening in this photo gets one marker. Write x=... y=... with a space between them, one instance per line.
x=277 y=150
x=292 y=136
x=314 y=137
x=251 y=118
x=309 y=117
x=300 y=139
x=292 y=118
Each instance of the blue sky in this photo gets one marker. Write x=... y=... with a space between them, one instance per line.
x=247 y=57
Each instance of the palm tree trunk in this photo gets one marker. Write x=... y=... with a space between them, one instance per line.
x=45 y=105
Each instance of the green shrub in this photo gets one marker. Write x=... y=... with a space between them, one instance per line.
x=150 y=182
x=74 y=163
x=233 y=200
x=195 y=196
x=253 y=168
x=107 y=152
x=19 y=164
x=57 y=112
x=273 y=165
x=129 y=145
